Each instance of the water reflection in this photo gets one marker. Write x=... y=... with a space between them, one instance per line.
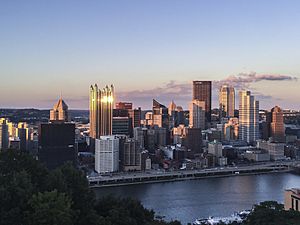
x=188 y=200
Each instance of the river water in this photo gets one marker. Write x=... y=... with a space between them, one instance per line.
x=192 y=199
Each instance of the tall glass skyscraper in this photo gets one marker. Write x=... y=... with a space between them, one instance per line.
x=101 y=111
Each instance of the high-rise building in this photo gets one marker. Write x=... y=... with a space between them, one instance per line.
x=197 y=114
x=56 y=144
x=59 y=112
x=135 y=115
x=101 y=111
x=248 y=117
x=4 y=135
x=23 y=135
x=277 y=125
x=227 y=100
x=202 y=92
x=131 y=155
x=122 y=126
x=107 y=154
x=160 y=115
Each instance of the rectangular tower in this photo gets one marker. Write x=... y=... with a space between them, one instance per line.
x=202 y=92
x=248 y=117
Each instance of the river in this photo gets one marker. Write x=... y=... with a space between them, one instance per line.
x=192 y=199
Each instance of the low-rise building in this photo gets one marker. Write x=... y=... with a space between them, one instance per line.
x=292 y=199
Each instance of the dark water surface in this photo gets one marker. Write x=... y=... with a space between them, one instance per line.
x=188 y=200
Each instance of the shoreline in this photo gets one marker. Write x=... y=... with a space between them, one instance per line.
x=217 y=174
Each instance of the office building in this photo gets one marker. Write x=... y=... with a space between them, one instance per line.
x=227 y=101
x=136 y=116
x=275 y=150
x=59 y=112
x=277 y=125
x=202 y=92
x=122 y=126
x=231 y=129
x=131 y=155
x=160 y=115
x=107 y=154
x=292 y=199
x=215 y=148
x=248 y=117
x=197 y=114
x=101 y=111
x=24 y=136
x=4 y=135
x=193 y=139
x=57 y=144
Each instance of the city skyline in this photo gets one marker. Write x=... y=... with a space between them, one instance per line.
x=148 y=50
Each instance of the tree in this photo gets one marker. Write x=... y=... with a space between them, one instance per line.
x=272 y=213
x=49 y=208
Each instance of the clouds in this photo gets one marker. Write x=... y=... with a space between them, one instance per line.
x=181 y=92
x=244 y=80
x=171 y=90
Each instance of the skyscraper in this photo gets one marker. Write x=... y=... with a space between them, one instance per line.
x=197 y=114
x=248 y=117
x=277 y=125
x=202 y=92
x=101 y=111
x=4 y=135
x=57 y=144
x=59 y=112
x=227 y=100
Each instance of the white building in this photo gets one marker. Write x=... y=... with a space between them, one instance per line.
x=215 y=148
x=248 y=117
x=197 y=114
x=107 y=154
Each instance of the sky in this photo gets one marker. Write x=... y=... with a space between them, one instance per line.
x=148 y=49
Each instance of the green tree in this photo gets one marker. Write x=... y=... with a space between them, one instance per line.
x=49 y=208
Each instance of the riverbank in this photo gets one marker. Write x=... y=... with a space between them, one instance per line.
x=146 y=178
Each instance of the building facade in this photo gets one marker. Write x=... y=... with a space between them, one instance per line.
x=202 y=92
x=101 y=111
x=107 y=154
x=59 y=112
x=292 y=199
x=227 y=101
x=277 y=125
x=248 y=117
x=197 y=114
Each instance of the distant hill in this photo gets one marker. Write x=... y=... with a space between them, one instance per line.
x=34 y=116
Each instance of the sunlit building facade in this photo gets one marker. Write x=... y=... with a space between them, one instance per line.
x=59 y=112
x=101 y=111
x=227 y=100
x=277 y=125
x=248 y=117
x=197 y=114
